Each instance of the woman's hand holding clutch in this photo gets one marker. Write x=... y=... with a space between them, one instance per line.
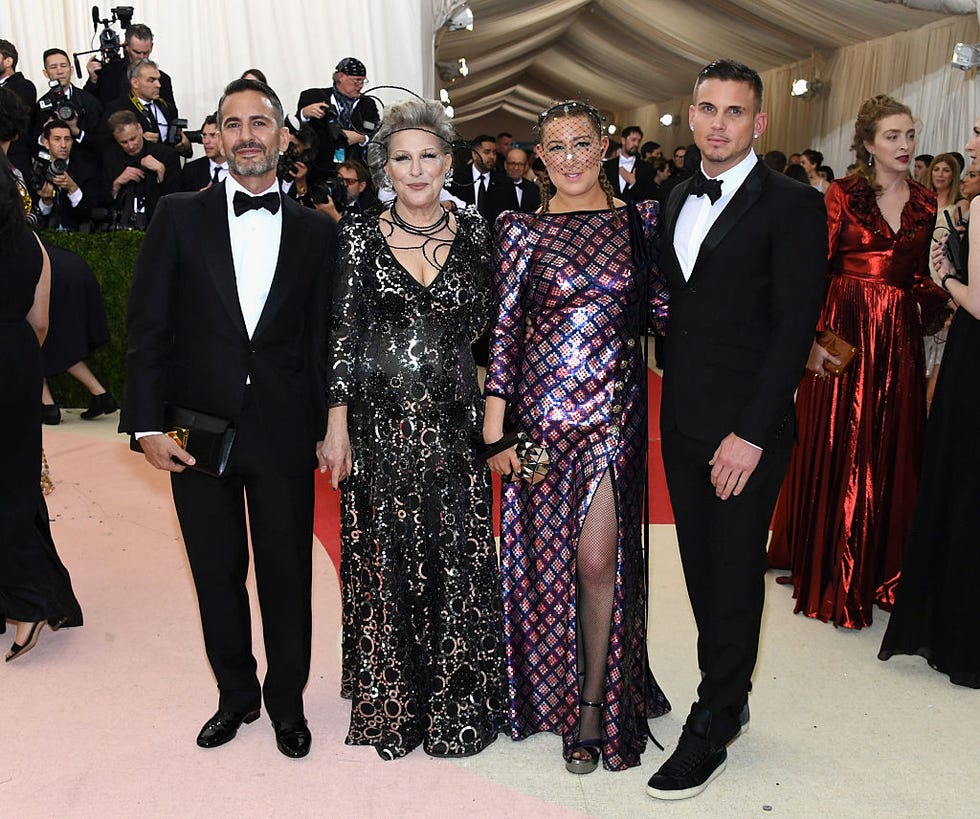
x=818 y=357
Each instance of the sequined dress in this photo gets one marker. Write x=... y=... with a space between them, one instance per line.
x=420 y=586
x=565 y=356
x=846 y=505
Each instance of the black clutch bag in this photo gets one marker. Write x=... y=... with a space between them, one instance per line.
x=533 y=456
x=206 y=437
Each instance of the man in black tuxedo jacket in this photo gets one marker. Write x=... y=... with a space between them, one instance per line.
x=226 y=317
x=340 y=116
x=135 y=171
x=87 y=110
x=744 y=252
x=110 y=81
x=20 y=150
x=631 y=178
x=210 y=168
x=157 y=116
x=515 y=192
x=65 y=200
x=474 y=181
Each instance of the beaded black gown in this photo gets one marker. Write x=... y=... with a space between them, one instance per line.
x=34 y=584
x=420 y=587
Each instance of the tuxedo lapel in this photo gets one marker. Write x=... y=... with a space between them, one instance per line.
x=215 y=248
x=675 y=201
x=292 y=245
x=745 y=197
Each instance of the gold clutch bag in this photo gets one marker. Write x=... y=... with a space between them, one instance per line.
x=838 y=348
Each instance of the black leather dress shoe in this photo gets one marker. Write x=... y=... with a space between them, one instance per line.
x=293 y=738
x=223 y=726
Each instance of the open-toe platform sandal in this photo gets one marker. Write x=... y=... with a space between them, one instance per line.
x=591 y=746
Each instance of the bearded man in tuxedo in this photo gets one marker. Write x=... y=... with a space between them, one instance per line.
x=226 y=317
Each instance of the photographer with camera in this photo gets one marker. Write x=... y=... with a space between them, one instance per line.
x=109 y=80
x=351 y=191
x=341 y=117
x=19 y=152
x=67 y=186
x=136 y=172
x=65 y=102
x=211 y=168
x=155 y=114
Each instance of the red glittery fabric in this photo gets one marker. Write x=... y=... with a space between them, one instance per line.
x=846 y=505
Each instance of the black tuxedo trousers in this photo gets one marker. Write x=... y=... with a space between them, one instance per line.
x=211 y=512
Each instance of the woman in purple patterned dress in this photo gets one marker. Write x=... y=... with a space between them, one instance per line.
x=567 y=370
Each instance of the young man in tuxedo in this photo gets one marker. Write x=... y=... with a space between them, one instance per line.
x=210 y=168
x=744 y=252
x=65 y=200
x=631 y=178
x=226 y=317
x=85 y=124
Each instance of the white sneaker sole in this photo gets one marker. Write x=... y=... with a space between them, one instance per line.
x=687 y=793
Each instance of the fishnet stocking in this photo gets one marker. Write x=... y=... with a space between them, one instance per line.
x=596 y=569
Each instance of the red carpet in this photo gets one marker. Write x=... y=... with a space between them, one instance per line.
x=326 y=521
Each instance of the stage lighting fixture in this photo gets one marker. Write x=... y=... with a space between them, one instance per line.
x=804 y=88
x=461 y=19
x=444 y=96
x=463 y=67
x=452 y=71
x=966 y=56
x=611 y=129
x=667 y=120
x=450 y=111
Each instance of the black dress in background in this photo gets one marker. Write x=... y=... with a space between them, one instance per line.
x=76 y=318
x=937 y=609
x=34 y=584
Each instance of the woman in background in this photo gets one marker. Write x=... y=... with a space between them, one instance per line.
x=937 y=609
x=846 y=504
x=35 y=589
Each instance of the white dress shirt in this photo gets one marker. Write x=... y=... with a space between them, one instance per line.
x=628 y=162
x=222 y=169
x=698 y=214
x=154 y=112
x=255 y=238
x=477 y=175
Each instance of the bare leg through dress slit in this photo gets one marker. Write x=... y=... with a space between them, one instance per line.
x=596 y=572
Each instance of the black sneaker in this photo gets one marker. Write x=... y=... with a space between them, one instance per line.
x=695 y=763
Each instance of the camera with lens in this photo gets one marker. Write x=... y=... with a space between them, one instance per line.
x=176 y=129
x=56 y=102
x=195 y=137
x=110 y=49
x=289 y=158
x=46 y=168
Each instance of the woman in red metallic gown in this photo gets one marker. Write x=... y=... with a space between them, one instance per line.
x=846 y=505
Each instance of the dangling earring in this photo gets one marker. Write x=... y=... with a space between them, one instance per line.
x=387 y=184
x=448 y=180
x=871 y=158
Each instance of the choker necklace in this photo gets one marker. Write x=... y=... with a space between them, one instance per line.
x=424 y=230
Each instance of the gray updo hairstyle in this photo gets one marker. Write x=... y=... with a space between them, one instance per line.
x=424 y=115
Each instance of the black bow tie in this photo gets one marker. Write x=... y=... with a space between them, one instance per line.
x=243 y=202
x=701 y=185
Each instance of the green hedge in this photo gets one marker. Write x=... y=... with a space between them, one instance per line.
x=112 y=257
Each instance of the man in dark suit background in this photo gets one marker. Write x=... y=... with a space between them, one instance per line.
x=474 y=179
x=631 y=178
x=87 y=110
x=65 y=200
x=19 y=152
x=135 y=171
x=514 y=192
x=744 y=253
x=157 y=115
x=226 y=317
x=210 y=168
x=109 y=81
